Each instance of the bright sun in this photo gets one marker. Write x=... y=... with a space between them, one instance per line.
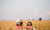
x=36 y=10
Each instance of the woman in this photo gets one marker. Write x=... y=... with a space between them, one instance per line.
x=19 y=25
x=29 y=26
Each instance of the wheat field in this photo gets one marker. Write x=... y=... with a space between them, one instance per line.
x=38 y=25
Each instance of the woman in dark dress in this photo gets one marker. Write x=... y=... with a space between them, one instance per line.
x=29 y=26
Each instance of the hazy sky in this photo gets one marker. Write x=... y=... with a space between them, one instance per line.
x=24 y=9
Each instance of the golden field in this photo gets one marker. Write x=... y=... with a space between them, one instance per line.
x=38 y=25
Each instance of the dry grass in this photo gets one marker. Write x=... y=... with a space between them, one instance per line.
x=38 y=25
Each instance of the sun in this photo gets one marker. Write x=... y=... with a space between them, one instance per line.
x=36 y=10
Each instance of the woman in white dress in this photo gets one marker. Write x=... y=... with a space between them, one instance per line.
x=19 y=25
